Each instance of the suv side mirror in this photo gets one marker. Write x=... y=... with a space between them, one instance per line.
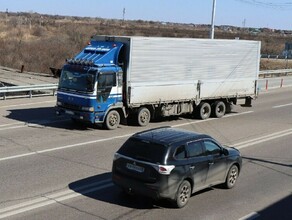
x=225 y=151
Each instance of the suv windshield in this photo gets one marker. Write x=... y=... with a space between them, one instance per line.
x=77 y=79
x=145 y=151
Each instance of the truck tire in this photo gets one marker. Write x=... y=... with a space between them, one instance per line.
x=112 y=120
x=203 y=110
x=144 y=116
x=218 y=109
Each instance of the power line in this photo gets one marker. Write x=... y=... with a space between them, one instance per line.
x=278 y=6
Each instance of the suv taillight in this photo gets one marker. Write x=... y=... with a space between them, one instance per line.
x=165 y=169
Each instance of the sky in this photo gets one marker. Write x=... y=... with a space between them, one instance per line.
x=274 y=14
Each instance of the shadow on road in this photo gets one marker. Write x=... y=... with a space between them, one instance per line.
x=279 y=210
x=46 y=116
x=111 y=194
x=115 y=195
x=267 y=161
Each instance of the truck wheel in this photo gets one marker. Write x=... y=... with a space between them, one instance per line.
x=143 y=116
x=218 y=109
x=112 y=120
x=204 y=110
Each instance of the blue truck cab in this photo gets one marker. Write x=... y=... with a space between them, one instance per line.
x=91 y=84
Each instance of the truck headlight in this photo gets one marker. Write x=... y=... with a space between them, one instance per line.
x=59 y=103
x=88 y=109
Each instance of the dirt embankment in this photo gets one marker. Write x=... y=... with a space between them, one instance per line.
x=39 y=42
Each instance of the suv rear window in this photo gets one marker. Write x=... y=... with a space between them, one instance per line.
x=143 y=150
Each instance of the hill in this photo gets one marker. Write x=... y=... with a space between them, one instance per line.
x=38 y=41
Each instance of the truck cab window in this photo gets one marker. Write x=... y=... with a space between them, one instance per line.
x=104 y=85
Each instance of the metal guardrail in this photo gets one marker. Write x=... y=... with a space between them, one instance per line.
x=274 y=82
x=270 y=73
x=29 y=88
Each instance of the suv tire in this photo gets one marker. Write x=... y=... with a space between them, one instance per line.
x=183 y=194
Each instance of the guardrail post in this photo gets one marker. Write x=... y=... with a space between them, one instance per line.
x=267 y=82
x=30 y=94
x=281 y=85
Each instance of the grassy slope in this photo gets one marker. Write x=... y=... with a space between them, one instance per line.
x=42 y=41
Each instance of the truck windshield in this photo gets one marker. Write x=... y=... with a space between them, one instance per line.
x=77 y=79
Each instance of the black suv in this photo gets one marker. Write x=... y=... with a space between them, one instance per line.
x=173 y=163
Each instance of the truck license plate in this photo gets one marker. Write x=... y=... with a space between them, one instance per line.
x=69 y=112
x=135 y=167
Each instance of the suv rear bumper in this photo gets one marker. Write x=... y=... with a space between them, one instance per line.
x=156 y=190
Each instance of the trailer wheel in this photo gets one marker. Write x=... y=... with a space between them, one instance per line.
x=112 y=120
x=204 y=110
x=218 y=109
x=143 y=116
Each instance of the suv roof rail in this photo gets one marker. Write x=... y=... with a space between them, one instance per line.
x=152 y=129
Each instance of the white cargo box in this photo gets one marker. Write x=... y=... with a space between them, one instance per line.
x=178 y=69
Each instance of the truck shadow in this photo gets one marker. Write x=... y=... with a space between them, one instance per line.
x=45 y=117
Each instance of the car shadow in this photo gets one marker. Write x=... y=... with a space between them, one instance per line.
x=110 y=193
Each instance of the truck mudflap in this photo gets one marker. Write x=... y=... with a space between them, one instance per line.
x=247 y=102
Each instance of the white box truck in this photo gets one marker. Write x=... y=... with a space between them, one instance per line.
x=141 y=78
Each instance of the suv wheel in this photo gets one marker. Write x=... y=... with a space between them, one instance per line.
x=183 y=194
x=231 y=177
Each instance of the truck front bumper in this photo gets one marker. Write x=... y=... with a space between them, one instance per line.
x=89 y=117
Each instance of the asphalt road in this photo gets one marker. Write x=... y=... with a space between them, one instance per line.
x=51 y=168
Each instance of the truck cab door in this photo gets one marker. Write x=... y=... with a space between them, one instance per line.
x=106 y=85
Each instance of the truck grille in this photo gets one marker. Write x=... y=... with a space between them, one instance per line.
x=70 y=106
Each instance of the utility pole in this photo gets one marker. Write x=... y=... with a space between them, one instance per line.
x=213 y=20
x=124 y=12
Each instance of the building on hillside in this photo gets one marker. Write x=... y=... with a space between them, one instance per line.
x=288 y=50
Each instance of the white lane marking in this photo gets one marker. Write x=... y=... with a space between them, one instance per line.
x=250 y=216
x=280 y=106
x=99 y=140
x=54 y=198
x=64 y=147
x=16 y=123
x=29 y=124
x=211 y=119
x=262 y=139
